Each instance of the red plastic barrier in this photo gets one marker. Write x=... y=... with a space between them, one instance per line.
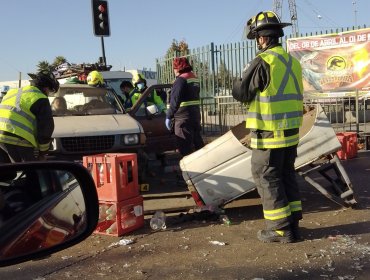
x=349 y=145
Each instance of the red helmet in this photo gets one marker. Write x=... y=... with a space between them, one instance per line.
x=182 y=64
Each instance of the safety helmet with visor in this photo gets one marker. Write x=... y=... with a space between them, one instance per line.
x=95 y=78
x=266 y=24
x=138 y=78
x=139 y=81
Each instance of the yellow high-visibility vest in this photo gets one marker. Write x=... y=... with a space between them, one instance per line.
x=16 y=117
x=280 y=106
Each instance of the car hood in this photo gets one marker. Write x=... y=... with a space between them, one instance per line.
x=72 y=126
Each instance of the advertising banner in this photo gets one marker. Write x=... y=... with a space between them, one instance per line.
x=334 y=62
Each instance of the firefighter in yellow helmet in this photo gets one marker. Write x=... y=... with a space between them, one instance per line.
x=95 y=78
x=272 y=87
x=26 y=120
x=140 y=86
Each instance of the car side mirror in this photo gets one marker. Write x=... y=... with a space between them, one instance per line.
x=45 y=207
x=152 y=110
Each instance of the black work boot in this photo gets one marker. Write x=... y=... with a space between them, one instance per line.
x=296 y=231
x=282 y=236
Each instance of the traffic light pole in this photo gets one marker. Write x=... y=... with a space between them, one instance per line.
x=103 y=51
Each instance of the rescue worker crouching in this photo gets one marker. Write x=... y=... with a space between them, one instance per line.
x=184 y=108
x=140 y=86
x=26 y=120
x=128 y=91
x=272 y=86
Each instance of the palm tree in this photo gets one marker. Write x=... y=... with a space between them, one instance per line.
x=43 y=66
x=58 y=61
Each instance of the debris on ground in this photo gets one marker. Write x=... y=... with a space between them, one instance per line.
x=122 y=242
x=214 y=242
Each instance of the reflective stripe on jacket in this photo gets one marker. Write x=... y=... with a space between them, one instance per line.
x=190 y=80
x=280 y=106
x=152 y=99
x=16 y=117
x=185 y=97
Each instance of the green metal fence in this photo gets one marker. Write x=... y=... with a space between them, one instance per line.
x=217 y=66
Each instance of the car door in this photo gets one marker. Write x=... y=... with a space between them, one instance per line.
x=159 y=139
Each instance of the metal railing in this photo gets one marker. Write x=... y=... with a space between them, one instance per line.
x=346 y=114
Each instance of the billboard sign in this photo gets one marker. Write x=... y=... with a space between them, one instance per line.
x=334 y=62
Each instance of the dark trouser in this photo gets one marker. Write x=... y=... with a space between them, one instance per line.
x=275 y=177
x=188 y=136
x=12 y=153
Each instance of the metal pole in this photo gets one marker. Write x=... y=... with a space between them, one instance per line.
x=355 y=11
x=213 y=53
x=357 y=114
x=20 y=80
x=103 y=50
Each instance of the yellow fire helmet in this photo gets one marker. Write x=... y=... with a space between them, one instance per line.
x=137 y=78
x=95 y=79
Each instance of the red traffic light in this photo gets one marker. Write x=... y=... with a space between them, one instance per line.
x=100 y=15
x=102 y=8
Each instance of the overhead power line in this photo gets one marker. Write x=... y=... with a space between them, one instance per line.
x=278 y=9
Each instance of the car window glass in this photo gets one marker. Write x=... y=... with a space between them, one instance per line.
x=85 y=101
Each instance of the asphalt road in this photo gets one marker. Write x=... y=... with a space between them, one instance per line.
x=335 y=246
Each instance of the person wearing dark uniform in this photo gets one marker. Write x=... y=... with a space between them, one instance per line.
x=26 y=120
x=184 y=108
x=272 y=87
x=127 y=90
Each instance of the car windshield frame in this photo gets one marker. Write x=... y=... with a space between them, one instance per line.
x=81 y=100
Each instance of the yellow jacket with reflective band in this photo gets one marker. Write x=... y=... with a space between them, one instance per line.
x=16 y=117
x=280 y=106
x=153 y=99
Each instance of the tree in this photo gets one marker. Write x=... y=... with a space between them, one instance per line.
x=224 y=77
x=43 y=66
x=201 y=68
x=178 y=49
x=58 y=61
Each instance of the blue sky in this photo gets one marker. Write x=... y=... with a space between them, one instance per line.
x=141 y=31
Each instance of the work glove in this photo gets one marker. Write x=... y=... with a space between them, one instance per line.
x=168 y=124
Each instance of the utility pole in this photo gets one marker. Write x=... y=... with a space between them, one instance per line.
x=355 y=11
x=20 y=80
x=277 y=7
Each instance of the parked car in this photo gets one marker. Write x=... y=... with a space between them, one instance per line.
x=45 y=207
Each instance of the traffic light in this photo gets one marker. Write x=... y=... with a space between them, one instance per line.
x=100 y=18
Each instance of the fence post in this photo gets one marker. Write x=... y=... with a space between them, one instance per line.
x=213 y=68
x=357 y=114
